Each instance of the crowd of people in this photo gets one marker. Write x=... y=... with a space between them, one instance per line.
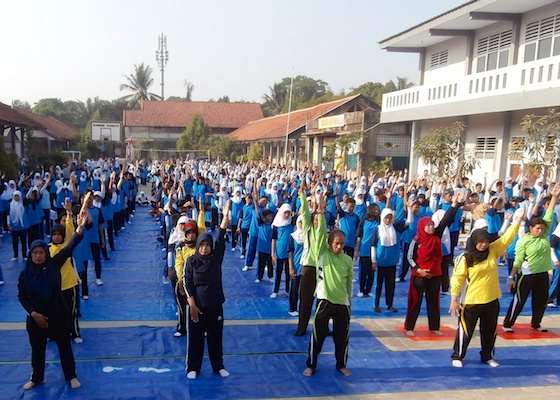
x=303 y=228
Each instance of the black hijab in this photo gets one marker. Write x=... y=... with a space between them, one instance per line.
x=207 y=237
x=473 y=255
x=41 y=278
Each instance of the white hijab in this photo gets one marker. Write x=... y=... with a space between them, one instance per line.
x=387 y=233
x=446 y=237
x=236 y=198
x=279 y=220
x=16 y=209
x=298 y=234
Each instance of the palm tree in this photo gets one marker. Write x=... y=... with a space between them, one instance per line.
x=402 y=83
x=274 y=102
x=139 y=83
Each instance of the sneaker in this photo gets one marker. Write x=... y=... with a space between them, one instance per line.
x=377 y=309
x=177 y=334
x=13 y=259
x=551 y=305
x=360 y=294
x=457 y=363
x=245 y=268
x=273 y=295
x=24 y=258
x=223 y=373
x=233 y=249
x=293 y=313
x=78 y=340
x=492 y=363
x=368 y=295
x=106 y=258
x=392 y=309
x=541 y=329
x=507 y=329
x=166 y=280
x=242 y=256
x=98 y=282
x=257 y=280
x=271 y=279
x=85 y=297
x=410 y=333
x=437 y=332
x=191 y=375
x=1 y=283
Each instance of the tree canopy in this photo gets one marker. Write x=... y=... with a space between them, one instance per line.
x=139 y=83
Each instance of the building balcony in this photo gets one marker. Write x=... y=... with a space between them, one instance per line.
x=534 y=84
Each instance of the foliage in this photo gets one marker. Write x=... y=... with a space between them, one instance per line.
x=9 y=162
x=51 y=107
x=139 y=83
x=36 y=161
x=379 y=167
x=225 y=149
x=442 y=149
x=21 y=105
x=255 y=153
x=196 y=136
x=342 y=145
x=375 y=90
x=189 y=88
x=542 y=143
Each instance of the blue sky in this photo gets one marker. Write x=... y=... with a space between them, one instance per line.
x=73 y=50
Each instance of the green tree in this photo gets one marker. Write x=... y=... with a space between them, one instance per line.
x=444 y=151
x=541 y=150
x=401 y=84
x=139 y=83
x=56 y=108
x=372 y=90
x=224 y=148
x=21 y=105
x=255 y=153
x=189 y=88
x=274 y=101
x=196 y=136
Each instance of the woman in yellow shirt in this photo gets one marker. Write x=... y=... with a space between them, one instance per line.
x=478 y=269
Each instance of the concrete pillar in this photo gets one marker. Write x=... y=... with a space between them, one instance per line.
x=319 y=147
x=506 y=137
x=278 y=153
x=415 y=135
x=309 y=149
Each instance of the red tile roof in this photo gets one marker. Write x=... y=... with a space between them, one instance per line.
x=275 y=127
x=53 y=127
x=14 y=117
x=179 y=114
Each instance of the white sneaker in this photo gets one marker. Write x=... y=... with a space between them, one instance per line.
x=368 y=294
x=410 y=333
x=293 y=313
x=233 y=249
x=191 y=375
x=85 y=297
x=24 y=258
x=98 y=282
x=78 y=340
x=457 y=363
x=271 y=279
x=1 y=283
x=257 y=280
x=223 y=373
x=361 y=294
x=245 y=268
x=551 y=305
x=242 y=256
x=492 y=363
x=273 y=295
x=166 y=280
x=177 y=334
x=507 y=329
x=13 y=259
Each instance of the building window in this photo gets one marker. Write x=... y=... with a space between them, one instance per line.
x=542 y=38
x=493 y=51
x=517 y=144
x=485 y=147
x=439 y=60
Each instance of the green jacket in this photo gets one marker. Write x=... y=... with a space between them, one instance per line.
x=532 y=253
x=334 y=271
x=309 y=256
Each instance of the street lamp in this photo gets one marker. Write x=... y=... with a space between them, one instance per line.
x=162 y=56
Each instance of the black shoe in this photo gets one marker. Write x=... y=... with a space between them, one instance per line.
x=377 y=309
x=106 y=259
x=393 y=309
x=298 y=333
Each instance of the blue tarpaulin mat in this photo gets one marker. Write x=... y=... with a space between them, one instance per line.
x=143 y=361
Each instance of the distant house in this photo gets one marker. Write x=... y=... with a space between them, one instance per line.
x=50 y=133
x=162 y=122
x=312 y=130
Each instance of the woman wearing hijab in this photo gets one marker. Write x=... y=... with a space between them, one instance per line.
x=385 y=248
x=18 y=225
x=295 y=252
x=478 y=268
x=202 y=281
x=533 y=260
x=39 y=292
x=364 y=233
x=281 y=230
x=236 y=213
x=425 y=257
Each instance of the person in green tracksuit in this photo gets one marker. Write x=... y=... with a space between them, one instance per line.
x=334 y=294
x=533 y=260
